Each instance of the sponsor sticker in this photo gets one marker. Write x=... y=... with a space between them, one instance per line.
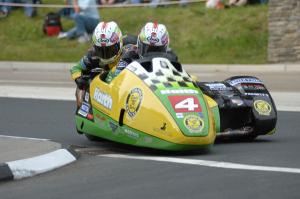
x=183 y=104
x=216 y=86
x=87 y=97
x=113 y=126
x=133 y=101
x=244 y=80
x=194 y=123
x=178 y=91
x=152 y=40
x=248 y=86
x=82 y=113
x=114 y=38
x=103 y=98
x=164 y=39
x=262 y=107
x=257 y=94
x=131 y=134
x=84 y=109
x=179 y=115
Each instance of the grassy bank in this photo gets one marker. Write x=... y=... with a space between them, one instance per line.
x=198 y=35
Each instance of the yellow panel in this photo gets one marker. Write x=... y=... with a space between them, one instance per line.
x=211 y=103
x=151 y=116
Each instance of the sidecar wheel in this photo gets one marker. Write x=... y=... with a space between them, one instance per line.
x=248 y=138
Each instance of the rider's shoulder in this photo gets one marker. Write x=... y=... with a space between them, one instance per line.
x=150 y=55
x=130 y=47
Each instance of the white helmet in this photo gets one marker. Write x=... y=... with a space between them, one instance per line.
x=107 y=39
x=153 y=37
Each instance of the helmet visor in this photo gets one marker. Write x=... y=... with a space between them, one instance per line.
x=145 y=48
x=107 y=52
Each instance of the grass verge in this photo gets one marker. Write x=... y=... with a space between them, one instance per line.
x=198 y=35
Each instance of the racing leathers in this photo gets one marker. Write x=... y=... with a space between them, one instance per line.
x=82 y=72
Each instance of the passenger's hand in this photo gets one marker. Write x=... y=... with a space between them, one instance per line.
x=81 y=83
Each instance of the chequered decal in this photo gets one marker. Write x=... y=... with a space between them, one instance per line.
x=163 y=74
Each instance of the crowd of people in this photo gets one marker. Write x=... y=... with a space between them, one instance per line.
x=29 y=11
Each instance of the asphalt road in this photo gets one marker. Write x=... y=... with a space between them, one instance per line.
x=95 y=176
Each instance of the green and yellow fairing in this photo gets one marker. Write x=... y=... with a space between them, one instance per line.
x=129 y=111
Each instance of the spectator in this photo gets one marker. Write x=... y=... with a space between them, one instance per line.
x=237 y=2
x=258 y=1
x=107 y=2
x=135 y=1
x=217 y=4
x=67 y=12
x=86 y=18
x=29 y=11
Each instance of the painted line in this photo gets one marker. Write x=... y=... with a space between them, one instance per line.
x=37 y=92
x=40 y=164
x=207 y=163
x=36 y=82
x=28 y=138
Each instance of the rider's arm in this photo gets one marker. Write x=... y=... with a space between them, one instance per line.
x=86 y=63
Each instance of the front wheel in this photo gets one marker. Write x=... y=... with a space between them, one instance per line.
x=93 y=138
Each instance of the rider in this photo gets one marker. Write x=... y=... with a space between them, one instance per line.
x=153 y=38
x=105 y=53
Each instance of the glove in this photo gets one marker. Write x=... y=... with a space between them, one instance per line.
x=81 y=83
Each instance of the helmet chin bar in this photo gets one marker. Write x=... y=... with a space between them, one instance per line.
x=108 y=61
x=111 y=60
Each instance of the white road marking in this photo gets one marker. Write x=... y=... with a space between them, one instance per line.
x=36 y=82
x=207 y=163
x=285 y=101
x=18 y=137
x=36 y=92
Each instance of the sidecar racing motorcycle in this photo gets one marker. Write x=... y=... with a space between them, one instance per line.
x=155 y=103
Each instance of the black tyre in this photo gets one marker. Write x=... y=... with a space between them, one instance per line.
x=78 y=131
x=93 y=138
x=248 y=138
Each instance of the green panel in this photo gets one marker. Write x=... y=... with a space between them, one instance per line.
x=105 y=127
x=182 y=118
x=216 y=113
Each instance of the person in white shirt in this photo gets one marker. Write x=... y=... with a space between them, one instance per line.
x=86 y=19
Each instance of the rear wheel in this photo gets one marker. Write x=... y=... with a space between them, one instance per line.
x=248 y=138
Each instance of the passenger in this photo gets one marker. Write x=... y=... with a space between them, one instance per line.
x=153 y=38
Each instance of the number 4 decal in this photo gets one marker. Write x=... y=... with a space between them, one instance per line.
x=183 y=104
x=187 y=103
